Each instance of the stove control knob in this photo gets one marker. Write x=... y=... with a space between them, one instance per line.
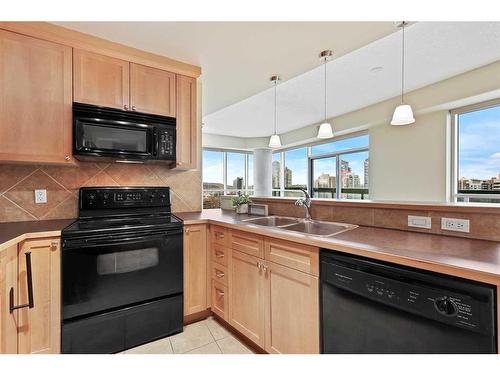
x=446 y=306
x=152 y=196
x=105 y=196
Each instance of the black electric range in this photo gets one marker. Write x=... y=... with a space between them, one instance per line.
x=121 y=267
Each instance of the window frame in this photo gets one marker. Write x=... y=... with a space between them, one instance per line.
x=453 y=194
x=225 y=189
x=310 y=160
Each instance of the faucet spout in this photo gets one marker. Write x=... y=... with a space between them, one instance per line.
x=306 y=203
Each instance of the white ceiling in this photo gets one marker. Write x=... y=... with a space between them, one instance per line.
x=237 y=58
x=434 y=51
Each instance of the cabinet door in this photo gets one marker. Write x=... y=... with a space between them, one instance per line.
x=195 y=269
x=152 y=90
x=40 y=327
x=187 y=123
x=247 y=296
x=35 y=100
x=8 y=320
x=100 y=80
x=292 y=312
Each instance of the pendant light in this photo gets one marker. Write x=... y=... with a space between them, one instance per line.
x=403 y=114
x=325 y=129
x=275 y=141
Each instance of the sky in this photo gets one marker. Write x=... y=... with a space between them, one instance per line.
x=479 y=143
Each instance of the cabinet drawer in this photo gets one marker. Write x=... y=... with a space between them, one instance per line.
x=248 y=243
x=219 y=300
x=290 y=254
x=219 y=273
x=219 y=254
x=219 y=235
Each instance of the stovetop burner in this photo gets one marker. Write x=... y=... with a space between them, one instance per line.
x=110 y=210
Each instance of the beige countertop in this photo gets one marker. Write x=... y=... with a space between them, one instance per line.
x=470 y=258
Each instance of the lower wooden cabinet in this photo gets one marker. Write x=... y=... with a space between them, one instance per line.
x=195 y=269
x=247 y=296
x=292 y=311
x=273 y=299
x=34 y=329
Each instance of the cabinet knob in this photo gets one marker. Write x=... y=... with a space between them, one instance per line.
x=133 y=108
x=187 y=230
x=54 y=244
x=179 y=163
x=125 y=107
x=67 y=158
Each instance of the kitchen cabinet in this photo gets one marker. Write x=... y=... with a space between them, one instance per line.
x=8 y=320
x=152 y=90
x=100 y=80
x=35 y=329
x=292 y=311
x=247 y=304
x=35 y=100
x=195 y=269
x=273 y=289
x=187 y=123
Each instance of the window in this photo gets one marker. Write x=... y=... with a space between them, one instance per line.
x=476 y=153
x=336 y=169
x=225 y=173
x=295 y=173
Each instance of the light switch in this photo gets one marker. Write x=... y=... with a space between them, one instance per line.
x=40 y=196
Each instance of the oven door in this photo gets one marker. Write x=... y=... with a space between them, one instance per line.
x=114 y=139
x=102 y=274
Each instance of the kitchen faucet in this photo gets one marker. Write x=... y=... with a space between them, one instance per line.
x=305 y=202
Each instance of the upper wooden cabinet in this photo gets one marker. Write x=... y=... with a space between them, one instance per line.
x=100 y=80
x=187 y=123
x=152 y=90
x=35 y=100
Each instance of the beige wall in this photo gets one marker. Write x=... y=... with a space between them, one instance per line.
x=408 y=163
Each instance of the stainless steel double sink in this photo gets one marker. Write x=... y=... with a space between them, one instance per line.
x=313 y=227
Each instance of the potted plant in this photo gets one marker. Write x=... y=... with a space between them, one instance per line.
x=241 y=202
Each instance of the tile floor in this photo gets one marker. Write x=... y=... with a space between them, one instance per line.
x=204 y=337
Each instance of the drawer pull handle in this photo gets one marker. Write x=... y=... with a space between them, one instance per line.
x=30 y=303
x=219 y=292
x=219 y=274
x=219 y=254
x=220 y=235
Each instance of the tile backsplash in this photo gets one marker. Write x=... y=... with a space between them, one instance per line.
x=18 y=182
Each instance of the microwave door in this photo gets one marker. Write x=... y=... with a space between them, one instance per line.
x=126 y=141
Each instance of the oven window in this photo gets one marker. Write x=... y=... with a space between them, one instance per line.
x=127 y=261
x=112 y=138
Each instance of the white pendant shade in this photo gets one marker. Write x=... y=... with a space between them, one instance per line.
x=403 y=115
x=325 y=131
x=275 y=141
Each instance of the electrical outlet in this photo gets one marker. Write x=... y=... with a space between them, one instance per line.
x=419 y=221
x=40 y=196
x=457 y=225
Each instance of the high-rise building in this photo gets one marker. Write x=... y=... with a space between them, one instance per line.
x=238 y=183
x=276 y=174
x=366 y=167
x=288 y=177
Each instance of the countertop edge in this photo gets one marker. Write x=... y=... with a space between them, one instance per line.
x=22 y=237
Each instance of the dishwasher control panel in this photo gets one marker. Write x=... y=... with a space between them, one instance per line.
x=415 y=296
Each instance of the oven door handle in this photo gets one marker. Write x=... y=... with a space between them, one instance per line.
x=120 y=240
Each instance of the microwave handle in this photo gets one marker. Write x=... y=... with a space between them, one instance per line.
x=155 y=142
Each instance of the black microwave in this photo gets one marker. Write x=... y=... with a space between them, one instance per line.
x=101 y=133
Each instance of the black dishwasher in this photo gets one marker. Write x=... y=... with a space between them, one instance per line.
x=370 y=306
